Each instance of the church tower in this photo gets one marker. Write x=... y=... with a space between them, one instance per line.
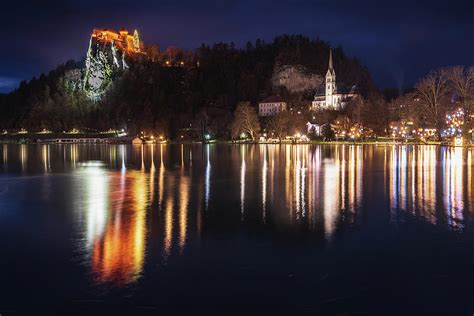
x=330 y=83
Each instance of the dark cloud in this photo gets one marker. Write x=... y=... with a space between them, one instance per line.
x=398 y=40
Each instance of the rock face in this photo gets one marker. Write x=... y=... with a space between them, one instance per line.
x=295 y=78
x=103 y=60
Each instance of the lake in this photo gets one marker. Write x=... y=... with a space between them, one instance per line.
x=234 y=229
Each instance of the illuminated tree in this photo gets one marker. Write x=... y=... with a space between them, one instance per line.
x=430 y=92
x=279 y=124
x=461 y=81
x=245 y=121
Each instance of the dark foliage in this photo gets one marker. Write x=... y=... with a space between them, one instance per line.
x=327 y=132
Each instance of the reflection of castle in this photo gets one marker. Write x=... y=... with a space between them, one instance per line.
x=123 y=40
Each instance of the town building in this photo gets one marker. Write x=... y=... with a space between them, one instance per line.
x=329 y=96
x=313 y=128
x=271 y=106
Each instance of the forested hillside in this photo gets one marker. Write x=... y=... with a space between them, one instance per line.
x=151 y=95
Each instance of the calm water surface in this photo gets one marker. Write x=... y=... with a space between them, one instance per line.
x=226 y=229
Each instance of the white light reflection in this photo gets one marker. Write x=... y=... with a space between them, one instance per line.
x=143 y=159
x=168 y=227
x=297 y=177
x=264 y=180
x=152 y=173
x=242 y=182
x=96 y=201
x=24 y=157
x=469 y=179
x=183 y=210
x=74 y=155
x=45 y=154
x=161 y=177
x=207 y=182
x=331 y=206
x=123 y=158
x=453 y=186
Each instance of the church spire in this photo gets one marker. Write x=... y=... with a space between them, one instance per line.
x=331 y=71
x=330 y=67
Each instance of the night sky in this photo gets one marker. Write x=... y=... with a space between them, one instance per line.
x=398 y=40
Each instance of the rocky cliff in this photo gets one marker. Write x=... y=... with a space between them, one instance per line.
x=295 y=78
x=103 y=62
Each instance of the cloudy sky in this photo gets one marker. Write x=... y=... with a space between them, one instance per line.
x=398 y=40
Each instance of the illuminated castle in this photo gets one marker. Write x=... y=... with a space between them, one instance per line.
x=123 y=40
x=109 y=53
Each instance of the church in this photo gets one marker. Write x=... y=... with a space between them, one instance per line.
x=329 y=97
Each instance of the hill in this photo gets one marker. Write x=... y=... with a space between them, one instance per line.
x=173 y=90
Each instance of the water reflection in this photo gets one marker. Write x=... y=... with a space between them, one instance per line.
x=321 y=184
x=95 y=196
x=412 y=180
x=133 y=202
x=5 y=156
x=453 y=186
x=263 y=151
x=331 y=189
x=45 y=155
x=24 y=157
x=207 y=180
x=430 y=183
x=118 y=252
x=114 y=205
x=242 y=181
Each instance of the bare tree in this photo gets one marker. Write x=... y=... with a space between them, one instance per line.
x=462 y=84
x=374 y=114
x=279 y=124
x=245 y=120
x=404 y=108
x=430 y=92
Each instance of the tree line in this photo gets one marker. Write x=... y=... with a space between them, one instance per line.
x=434 y=97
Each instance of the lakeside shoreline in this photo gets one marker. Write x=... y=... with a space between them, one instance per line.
x=107 y=140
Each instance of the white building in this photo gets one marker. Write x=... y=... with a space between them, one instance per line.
x=313 y=129
x=332 y=99
x=271 y=106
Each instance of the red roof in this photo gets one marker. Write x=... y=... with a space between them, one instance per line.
x=273 y=99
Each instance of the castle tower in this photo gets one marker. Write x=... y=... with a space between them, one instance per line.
x=330 y=83
x=136 y=41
